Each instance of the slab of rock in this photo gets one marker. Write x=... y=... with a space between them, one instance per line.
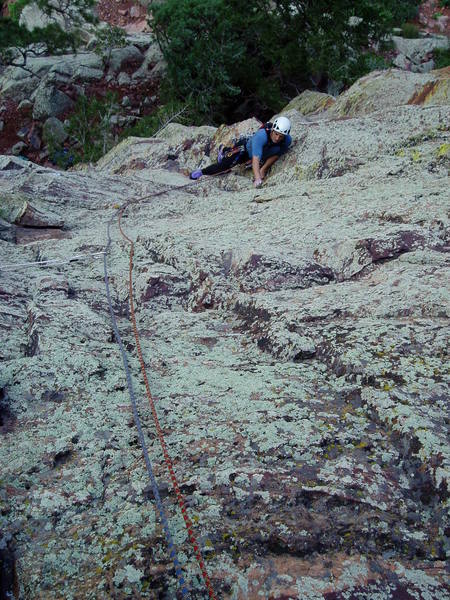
x=310 y=102
x=384 y=89
x=296 y=349
x=16 y=208
x=26 y=235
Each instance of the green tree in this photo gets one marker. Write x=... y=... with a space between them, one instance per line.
x=201 y=50
x=17 y=43
x=108 y=38
x=225 y=53
x=91 y=127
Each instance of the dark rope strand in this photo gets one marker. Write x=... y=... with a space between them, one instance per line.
x=162 y=514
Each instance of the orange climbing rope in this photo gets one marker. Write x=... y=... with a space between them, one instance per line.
x=168 y=460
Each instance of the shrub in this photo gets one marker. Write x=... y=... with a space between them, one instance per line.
x=201 y=49
x=441 y=58
x=149 y=125
x=108 y=38
x=410 y=31
x=90 y=129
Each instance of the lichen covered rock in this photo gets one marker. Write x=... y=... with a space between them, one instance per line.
x=382 y=90
x=310 y=102
x=295 y=338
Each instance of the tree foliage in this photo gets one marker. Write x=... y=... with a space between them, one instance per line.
x=108 y=38
x=226 y=53
x=90 y=129
x=17 y=43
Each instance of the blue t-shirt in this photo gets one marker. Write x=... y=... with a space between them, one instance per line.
x=258 y=145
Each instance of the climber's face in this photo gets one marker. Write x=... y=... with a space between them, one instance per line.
x=276 y=137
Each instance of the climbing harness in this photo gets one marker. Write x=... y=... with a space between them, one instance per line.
x=235 y=152
x=168 y=460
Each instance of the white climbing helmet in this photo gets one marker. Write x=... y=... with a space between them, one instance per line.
x=281 y=125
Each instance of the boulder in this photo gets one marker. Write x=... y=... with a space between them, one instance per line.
x=12 y=163
x=54 y=131
x=18 y=148
x=134 y=12
x=7 y=231
x=17 y=90
x=86 y=74
x=426 y=67
x=25 y=105
x=123 y=79
x=412 y=53
x=17 y=83
x=16 y=208
x=34 y=138
x=68 y=18
x=32 y=16
x=24 y=132
x=142 y=41
x=121 y=58
x=50 y=102
x=152 y=66
x=76 y=66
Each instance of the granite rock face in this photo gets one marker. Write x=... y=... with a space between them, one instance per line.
x=296 y=341
x=309 y=102
x=394 y=87
x=415 y=54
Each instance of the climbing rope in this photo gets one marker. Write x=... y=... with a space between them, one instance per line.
x=159 y=504
x=50 y=263
x=168 y=460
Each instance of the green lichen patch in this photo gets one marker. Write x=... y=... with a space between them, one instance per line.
x=296 y=352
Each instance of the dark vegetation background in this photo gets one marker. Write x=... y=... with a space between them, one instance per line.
x=227 y=60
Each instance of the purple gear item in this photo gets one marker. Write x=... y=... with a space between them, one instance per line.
x=196 y=174
x=220 y=154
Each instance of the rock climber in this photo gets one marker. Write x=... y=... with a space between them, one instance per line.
x=263 y=148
